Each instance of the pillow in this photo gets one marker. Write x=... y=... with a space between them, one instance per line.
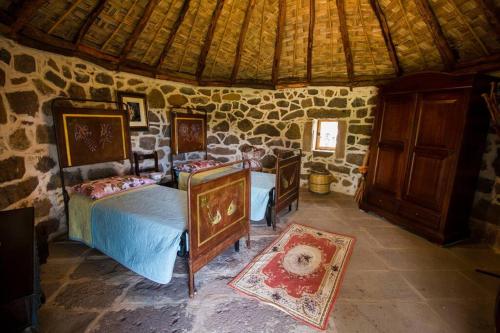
x=100 y=188
x=193 y=166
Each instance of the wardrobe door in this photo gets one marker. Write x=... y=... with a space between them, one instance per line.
x=439 y=123
x=390 y=153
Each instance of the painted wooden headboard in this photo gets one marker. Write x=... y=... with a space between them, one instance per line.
x=88 y=136
x=188 y=132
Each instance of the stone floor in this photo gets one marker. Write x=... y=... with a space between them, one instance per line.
x=395 y=282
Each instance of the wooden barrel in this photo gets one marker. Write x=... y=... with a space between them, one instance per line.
x=319 y=182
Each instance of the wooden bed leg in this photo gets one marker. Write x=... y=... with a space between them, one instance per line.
x=237 y=246
x=289 y=207
x=191 y=284
x=248 y=241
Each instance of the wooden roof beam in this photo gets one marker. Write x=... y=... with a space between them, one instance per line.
x=427 y=15
x=150 y=7
x=64 y=16
x=387 y=36
x=173 y=32
x=208 y=39
x=243 y=33
x=24 y=14
x=279 y=40
x=345 y=39
x=491 y=12
x=312 y=21
x=96 y=11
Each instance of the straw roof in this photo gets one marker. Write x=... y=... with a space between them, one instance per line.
x=268 y=43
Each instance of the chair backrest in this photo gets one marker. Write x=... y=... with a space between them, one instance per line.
x=140 y=157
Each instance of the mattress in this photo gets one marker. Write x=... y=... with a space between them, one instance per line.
x=139 y=228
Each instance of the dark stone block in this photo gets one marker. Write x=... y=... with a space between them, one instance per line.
x=283 y=104
x=222 y=151
x=67 y=72
x=358 y=102
x=156 y=100
x=293 y=133
x=42 y=207
x=200 y=100
x=53 y=64
x=254 y=113
x=372 y=100
x=12 y=168
x=351 y=139
x=339 y=103
x=306 y=103
x=360 y=129
x=294 y=115
x=134 y=82
x=312 y=92
x=147 y=142
x=220 y=115
x=5 y=56
x=177 y=100
x=328 y=113
x=344 y=92
x=268 y=106
x=2 y=78
x=212 y=140
x=319 y=101
x=231 y=140
x=23 y=102
x=345 y=182
x=245 y=125
x=356 y=159
x=54 y=182
x=97 y=295
x=73 y=177
x=104 y=79
x=322 y=153
x=223 y=126
x=275 y=143
x=255 y=141
x=339 y=168
x=55 y=79
x=24 y=63
x=82 y=78
x=16 y=80
x=361 y=113
x=153 y=118
x=45 y=134
x=254 y=101
x=43 y=88
x=100 y=94
x=45 y=163
x=13 y=193
x=76 y=91
x=266 y=129
x=187 y=91
x=18 y=140
x=273 y=115
x=226 y=107
x=206 y=92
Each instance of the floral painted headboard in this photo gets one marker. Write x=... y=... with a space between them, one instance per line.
x=189 y=132
x=88 y=136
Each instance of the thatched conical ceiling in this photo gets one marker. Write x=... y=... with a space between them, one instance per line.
x=264 y=42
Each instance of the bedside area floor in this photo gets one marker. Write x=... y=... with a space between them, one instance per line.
x=395 y=282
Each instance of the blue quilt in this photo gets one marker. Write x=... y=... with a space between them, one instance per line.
x=262 y=184
x=141 y=229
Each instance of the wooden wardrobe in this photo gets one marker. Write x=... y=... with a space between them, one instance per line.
x=425 y=155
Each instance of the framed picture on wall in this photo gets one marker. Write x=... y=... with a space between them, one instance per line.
x=138 y=109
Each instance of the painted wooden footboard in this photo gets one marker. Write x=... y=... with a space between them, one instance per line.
x=287 y=180
x=219 y=215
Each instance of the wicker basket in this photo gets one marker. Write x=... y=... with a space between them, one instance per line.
x=319 y=182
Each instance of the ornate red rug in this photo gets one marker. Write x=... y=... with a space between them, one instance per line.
x=300 y=273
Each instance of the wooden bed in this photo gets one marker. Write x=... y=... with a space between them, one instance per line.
x=217 y=209
x=189 y=134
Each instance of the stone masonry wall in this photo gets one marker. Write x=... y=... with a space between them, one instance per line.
x=31 y=79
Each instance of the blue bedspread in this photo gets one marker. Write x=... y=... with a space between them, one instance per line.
x=141 y=229
x=262 y=183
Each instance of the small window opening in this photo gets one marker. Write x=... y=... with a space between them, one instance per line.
x=326 y=135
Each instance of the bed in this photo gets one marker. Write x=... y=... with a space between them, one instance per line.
x=142 y=227
x=270 y=193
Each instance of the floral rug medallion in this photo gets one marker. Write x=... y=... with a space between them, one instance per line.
x=300 y=273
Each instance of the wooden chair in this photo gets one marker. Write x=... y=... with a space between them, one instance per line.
x=151 y=172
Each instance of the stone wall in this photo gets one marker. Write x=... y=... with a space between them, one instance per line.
x=485 y=222
x=31 y=79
